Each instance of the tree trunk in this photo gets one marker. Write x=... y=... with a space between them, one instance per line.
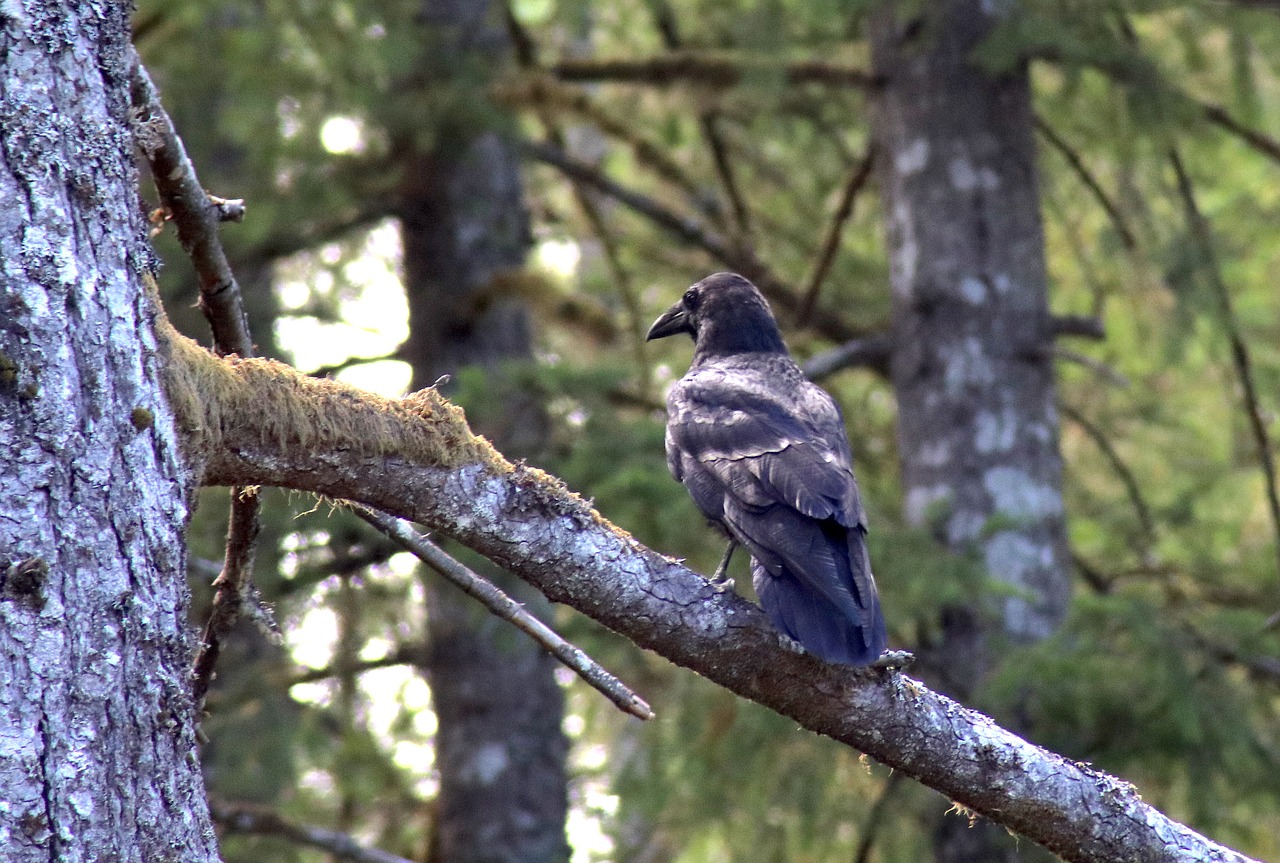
x=500 y=749
x=97 y=731
x=978 y=428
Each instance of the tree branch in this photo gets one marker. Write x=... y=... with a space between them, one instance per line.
x=506 y=608
x=196 y=215
x=858 y=176
x=711 y=70
x=263 y=822
x=1203 y=237
x=740 y=258
x=1090 y=182
x=253 y=421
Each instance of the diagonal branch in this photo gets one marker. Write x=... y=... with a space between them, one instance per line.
x=1202 y=234
x=1090 y=182
x=252 y=421
x=711 y=70
x=858 y=177
x=263 y=822
x=507 y=609
x=709 y=120
x=737 y=257
x=197 y=214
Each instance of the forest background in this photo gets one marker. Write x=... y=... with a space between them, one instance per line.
x=510 y=194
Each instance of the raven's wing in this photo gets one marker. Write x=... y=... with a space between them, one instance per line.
x=766 y=455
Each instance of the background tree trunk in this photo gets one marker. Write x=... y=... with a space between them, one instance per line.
x=97 y=747
x=500 y=749
x=978 y=426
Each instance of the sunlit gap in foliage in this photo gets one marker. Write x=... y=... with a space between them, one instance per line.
x=343 y=308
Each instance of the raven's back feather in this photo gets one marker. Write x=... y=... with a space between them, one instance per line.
x=764 y=454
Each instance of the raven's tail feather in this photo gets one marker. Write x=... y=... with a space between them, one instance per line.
x=818 y=624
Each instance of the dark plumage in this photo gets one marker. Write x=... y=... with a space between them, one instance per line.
x=764 y=454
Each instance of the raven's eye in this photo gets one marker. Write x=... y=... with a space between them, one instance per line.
x=690 y=298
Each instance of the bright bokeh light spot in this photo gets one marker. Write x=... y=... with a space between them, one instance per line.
x=559 y=256
x=388 y=378
x=342 y=136
x=312 y=641
x=587 y=836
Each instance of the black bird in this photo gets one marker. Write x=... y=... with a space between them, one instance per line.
x=764 y=454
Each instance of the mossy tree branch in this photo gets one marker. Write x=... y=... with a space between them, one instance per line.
x=258 y=422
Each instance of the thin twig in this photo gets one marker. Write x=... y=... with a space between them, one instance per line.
x=229 y=588
x=1122 y=470
x=1264 y=144
x=708 y=120
x=264 y=822
x=506 y=608
x=740 y=258
x=545 y=92
x=873 y=352
x=858 y=176
x=408 y=654
x=876 y=819
x=527 y=55
x=1091 y=183
x=1082 y=326
x=196 y=215
x=1104 y=371
x=712 y=70
x=1203 y=234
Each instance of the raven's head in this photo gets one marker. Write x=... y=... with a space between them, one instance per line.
x=725 y=314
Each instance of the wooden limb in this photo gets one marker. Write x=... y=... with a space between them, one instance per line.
x=264 y=822
x=503 y=606
x=740 y=258
x=1202 y=234
x=526 y=53
x=857 y=179
x=1091 y=183
x=547 y=94
x=408 y=654
x=1122 y=470
x=1080 y=326
x=194 y=214
x=710 y=70
x=708 y=121
x=197 y=215
x=230 y=588
x=873 y=352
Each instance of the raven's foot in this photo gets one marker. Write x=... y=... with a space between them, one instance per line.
x=722 y=583
x=894 y=660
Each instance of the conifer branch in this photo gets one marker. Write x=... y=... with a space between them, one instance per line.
x=1202 y=235
x=506 y=608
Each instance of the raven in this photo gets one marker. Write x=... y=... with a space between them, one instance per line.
x=764 y=454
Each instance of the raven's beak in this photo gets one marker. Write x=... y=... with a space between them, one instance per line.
x=673 y=320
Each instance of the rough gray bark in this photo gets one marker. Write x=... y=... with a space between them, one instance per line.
x=529 y=524
x=499 y=749
x=977 y=422
x=97 y=732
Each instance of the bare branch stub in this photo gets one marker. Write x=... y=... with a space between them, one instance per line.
x=197 y=216
x=503 y=606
